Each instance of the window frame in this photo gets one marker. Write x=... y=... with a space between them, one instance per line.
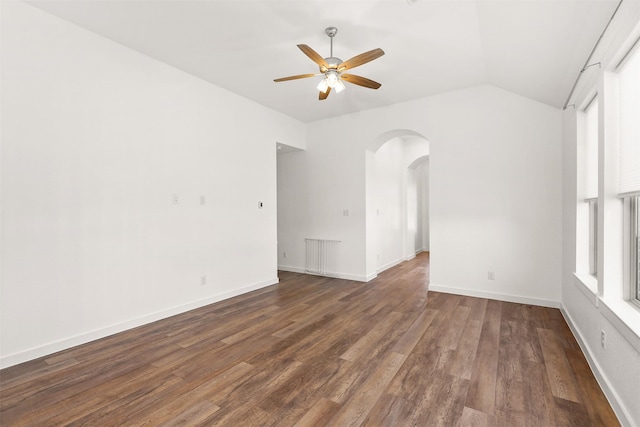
x=593 y=236
x=634 y=248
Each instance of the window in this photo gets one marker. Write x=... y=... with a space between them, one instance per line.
x=628 y=163
x=587 y=250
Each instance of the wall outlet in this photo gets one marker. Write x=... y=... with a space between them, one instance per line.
x=203 y=280
x=203 y=200
x=491 y=275
x=260 y=205
x=602 y=339
x=174 y=199
x=284 y=255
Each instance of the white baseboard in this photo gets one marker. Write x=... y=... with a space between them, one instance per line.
x=495 y=296
x=332 y=275
x=391 y=264
x=620 y=410
x=344 y=276
x=291 y=269
x=66 y=343
x=370 y=277
x=366 y=278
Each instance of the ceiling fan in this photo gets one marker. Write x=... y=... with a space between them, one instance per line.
x=333 y=68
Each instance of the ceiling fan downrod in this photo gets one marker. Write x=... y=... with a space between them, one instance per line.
x=331 y=32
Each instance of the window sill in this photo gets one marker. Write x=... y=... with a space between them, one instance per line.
x=625 y=317
x=588 y=285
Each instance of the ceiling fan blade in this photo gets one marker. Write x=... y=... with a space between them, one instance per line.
x=323 y=95
x=299 y=76
x=363 y=58
x=314 y=56
x=360 y=81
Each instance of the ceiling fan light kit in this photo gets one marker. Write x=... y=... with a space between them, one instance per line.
x=332 y=68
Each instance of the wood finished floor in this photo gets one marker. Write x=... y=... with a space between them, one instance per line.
x=313 y=351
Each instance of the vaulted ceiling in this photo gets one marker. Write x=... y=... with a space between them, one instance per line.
x=535 y=48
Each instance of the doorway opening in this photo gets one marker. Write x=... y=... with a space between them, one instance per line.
x=397 y=199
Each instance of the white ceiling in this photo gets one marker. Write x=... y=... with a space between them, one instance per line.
x=534 y=48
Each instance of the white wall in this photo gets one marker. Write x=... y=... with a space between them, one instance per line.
x=96 y=139
x=322 y=181
x=494 y=194
x=292 y=211
x=390 y=200
x=422 y=176
x=416 y=152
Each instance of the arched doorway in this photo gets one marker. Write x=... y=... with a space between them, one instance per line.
x=396 y=198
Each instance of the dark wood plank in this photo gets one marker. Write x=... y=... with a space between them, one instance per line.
x=319 y=414
x=558 y=369
x=356 y=409
x=482 y=390
x=600 y=412
x=472 y=418
x=390 y=410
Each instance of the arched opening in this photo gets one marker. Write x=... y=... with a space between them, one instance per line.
x=397 y=226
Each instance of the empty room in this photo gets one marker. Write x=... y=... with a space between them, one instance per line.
x=310 y=213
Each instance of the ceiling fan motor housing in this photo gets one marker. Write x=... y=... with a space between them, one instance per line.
x=333 y=62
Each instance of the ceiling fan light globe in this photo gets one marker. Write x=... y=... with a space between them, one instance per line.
x=332 y=78
x=323 y=85
x=339 y=86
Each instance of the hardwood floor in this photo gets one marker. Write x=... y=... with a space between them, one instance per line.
x=314 y=351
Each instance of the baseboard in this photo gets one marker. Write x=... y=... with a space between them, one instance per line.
x=332 y=275
x=611 y=395
x=291 y=269
x=342 y=276
x=370 y=277
x=495 y=296
x=391 y=264
x=396 y=262
x=354 y=277
x=50 y=348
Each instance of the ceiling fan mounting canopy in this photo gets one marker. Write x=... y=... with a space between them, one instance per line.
x=331 y=31
x=333 y=68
